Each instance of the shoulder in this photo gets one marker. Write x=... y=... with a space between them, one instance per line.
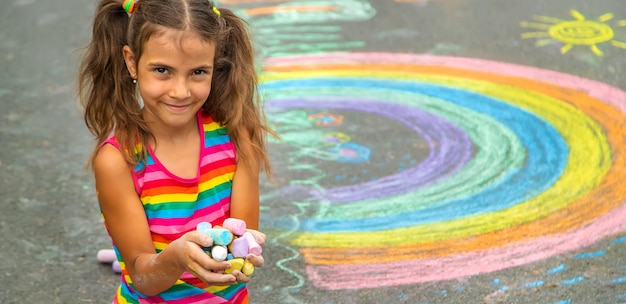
x=110 y=161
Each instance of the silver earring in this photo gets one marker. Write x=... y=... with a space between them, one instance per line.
x=135 y=81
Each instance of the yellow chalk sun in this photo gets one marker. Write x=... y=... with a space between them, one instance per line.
x=579 y=31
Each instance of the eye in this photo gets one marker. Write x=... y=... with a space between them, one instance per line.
x=198 y=72
x=161 y=70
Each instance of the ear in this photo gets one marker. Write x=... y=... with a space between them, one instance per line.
x=131 y=62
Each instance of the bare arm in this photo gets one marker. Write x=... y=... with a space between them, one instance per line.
x=244 y=201
x=245 y=205
x=127 y=224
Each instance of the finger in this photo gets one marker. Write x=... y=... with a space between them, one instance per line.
x=199 y=238
x=258 y=236
x=218 y=279
x=256 y=260
x=242 y=278
x=209 y=263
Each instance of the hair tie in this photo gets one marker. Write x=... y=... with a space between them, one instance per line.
x=129 y=6
x=217 y=12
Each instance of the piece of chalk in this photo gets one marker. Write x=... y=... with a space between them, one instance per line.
x=106 y=256
x=235 y=264
x=247 y=268
x=237 y=226
x=221 y=236
x=204 y=227
x=253 y=246
x=239 y=247
x=116 y=267
x=219 y=253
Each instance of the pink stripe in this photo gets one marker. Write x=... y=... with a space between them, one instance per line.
x=206 y=298
x=153 y=176
x=602 y=91
x=466 y=264
x=207 y=159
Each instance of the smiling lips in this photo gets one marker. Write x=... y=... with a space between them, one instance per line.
x=177 y=108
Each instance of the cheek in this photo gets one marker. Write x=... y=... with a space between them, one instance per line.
x=201 y=91
x=151 y=90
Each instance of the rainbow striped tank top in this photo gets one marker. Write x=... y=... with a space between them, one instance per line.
x=175 y=205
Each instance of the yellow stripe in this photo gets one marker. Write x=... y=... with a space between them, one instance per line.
x=216 y=181
x=168 y=198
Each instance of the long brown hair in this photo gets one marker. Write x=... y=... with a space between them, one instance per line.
x=110 y=98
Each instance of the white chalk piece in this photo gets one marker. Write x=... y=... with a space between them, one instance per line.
x=219 y=253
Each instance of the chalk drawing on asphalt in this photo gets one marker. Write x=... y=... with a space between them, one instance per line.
x=516 y=165
x=303 y=26
x=578 y=32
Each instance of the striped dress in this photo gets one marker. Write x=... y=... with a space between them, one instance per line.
x=176 y=205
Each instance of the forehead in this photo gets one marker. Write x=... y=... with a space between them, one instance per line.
x=185 y=47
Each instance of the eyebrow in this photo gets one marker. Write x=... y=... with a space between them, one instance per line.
x=163 y=65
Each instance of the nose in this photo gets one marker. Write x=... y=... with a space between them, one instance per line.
x=179 y=88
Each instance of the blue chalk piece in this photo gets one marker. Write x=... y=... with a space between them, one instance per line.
x=619 y=280
x=402 y=296
x=504 y=288
x=461 y=288
x=620 y=240
x=496 y=281
x=204 y=227
x=534 y=284
x=589 y=255
x=622 y=296
x=573 y=281
x=221 y=236
x=444 y=292
x=568 y=301
x=556 y=269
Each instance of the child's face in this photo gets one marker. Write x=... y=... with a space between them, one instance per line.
x=174 y=77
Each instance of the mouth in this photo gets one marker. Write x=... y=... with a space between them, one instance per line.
x=177 y=108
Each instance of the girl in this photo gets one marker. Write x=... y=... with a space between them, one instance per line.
x=170 y=92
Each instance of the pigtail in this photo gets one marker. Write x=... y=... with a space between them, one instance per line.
x=105 y=88
x=234 y=98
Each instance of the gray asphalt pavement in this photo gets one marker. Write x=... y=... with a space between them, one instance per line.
x=433 y=151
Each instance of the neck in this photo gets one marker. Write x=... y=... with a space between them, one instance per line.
x=173 y=136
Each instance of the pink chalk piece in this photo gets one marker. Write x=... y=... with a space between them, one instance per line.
x=236 y=226
x=253 y=246
x=116 y=267
x=239 y=248
x=106 y=256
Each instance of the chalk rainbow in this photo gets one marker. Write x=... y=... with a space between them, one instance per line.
x=524 y=164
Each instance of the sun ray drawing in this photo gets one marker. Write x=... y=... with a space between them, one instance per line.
x=579 y=31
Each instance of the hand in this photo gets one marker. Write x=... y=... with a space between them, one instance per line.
x=256 y=260
x=193 y=258
x=258 y=236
